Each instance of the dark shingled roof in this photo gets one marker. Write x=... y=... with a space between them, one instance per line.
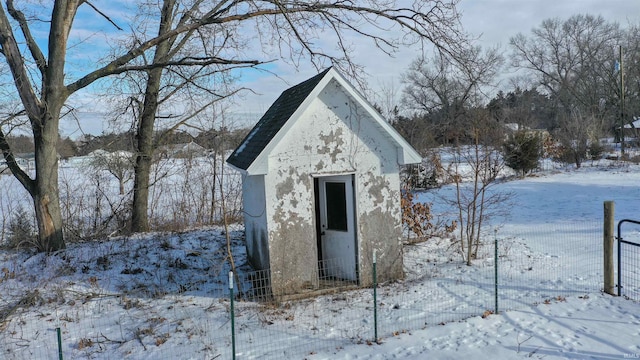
x=272 y=121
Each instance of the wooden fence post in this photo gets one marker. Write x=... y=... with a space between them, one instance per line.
x=608 y=240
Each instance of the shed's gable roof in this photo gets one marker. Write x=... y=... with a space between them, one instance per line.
x=290 y=104
x=272 y=121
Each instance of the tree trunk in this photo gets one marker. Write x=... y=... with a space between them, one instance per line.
x=43 y=113
x=144 y=136
x=49 y=220
x=45 y=189
x=212 y=211
x=140 y=206
x=144 y=158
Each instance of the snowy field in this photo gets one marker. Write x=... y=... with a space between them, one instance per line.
x=593 y=326
x=165 y=296
x=579 y=326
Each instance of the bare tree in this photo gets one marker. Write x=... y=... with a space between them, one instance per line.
x=119 y=164
x=443 y=88
x=632 y=72
x=180 y=68
x=574 y=133
x=292 y=24
x=295 y=24
x=573 y=61
x=452 y=91
x=474 y=170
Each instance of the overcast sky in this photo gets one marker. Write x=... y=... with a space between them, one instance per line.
x=494 y=20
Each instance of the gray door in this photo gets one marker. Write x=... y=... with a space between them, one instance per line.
x=337 y=226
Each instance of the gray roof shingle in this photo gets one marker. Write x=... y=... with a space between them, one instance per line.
x=272 y=121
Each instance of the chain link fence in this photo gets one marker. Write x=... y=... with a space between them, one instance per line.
x=536 y=266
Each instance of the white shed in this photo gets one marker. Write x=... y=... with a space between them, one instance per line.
x=321 y=187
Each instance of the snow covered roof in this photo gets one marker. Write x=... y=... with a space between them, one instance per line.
x=635 y=124
x=285 y=111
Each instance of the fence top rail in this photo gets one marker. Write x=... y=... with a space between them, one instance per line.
x=619 y=238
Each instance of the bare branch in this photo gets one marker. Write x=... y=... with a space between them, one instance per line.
x=14 y=59
x=184 y=121
x=437 y=24
x=41 y=61
x=10 y=159
x=116 y=66
x=102 y=14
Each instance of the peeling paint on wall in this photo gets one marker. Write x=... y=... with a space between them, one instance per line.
x=383 y=233
x=333 y=137
x=284 y=188
x=332 y=144
x=378 y=189
x=292 y=250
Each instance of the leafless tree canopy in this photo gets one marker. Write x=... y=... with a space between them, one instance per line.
x=573 y=60
x=187 y=40
x=446 y=89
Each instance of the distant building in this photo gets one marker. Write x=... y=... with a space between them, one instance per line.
x=631 y=129
x=26 y=161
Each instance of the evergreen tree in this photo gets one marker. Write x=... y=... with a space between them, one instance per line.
x=522 y=151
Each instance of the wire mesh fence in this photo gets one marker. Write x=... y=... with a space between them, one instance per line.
x=629 y=259
x=536 y=266
x=629 y=280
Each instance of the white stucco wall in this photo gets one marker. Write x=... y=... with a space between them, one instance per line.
x=255 y=221
x=333 y=136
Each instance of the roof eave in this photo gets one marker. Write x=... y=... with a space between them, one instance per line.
x=408 y=156
x=259 y=166
x=239 y=169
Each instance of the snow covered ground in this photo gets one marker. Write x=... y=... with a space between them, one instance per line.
x=593 y=326
x=162 y=296
x=578 y=326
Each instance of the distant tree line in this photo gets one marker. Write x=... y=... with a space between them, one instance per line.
x=215 y=139
x=568 y=86
x=23 y=144
x=567 y=95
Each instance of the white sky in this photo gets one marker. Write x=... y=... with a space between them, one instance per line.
x=495 y=20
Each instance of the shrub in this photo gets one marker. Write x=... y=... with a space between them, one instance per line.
x=596 y=150
x=21 y=231
x=427 y=175
x=522 y=151
x=572 y=153
x=418 y=220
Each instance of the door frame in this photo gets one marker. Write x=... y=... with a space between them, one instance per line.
x=321 y=180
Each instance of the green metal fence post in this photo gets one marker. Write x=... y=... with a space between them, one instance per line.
x=59 y=343
x=495 y=267
x=375 y=297
x=233 y=326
